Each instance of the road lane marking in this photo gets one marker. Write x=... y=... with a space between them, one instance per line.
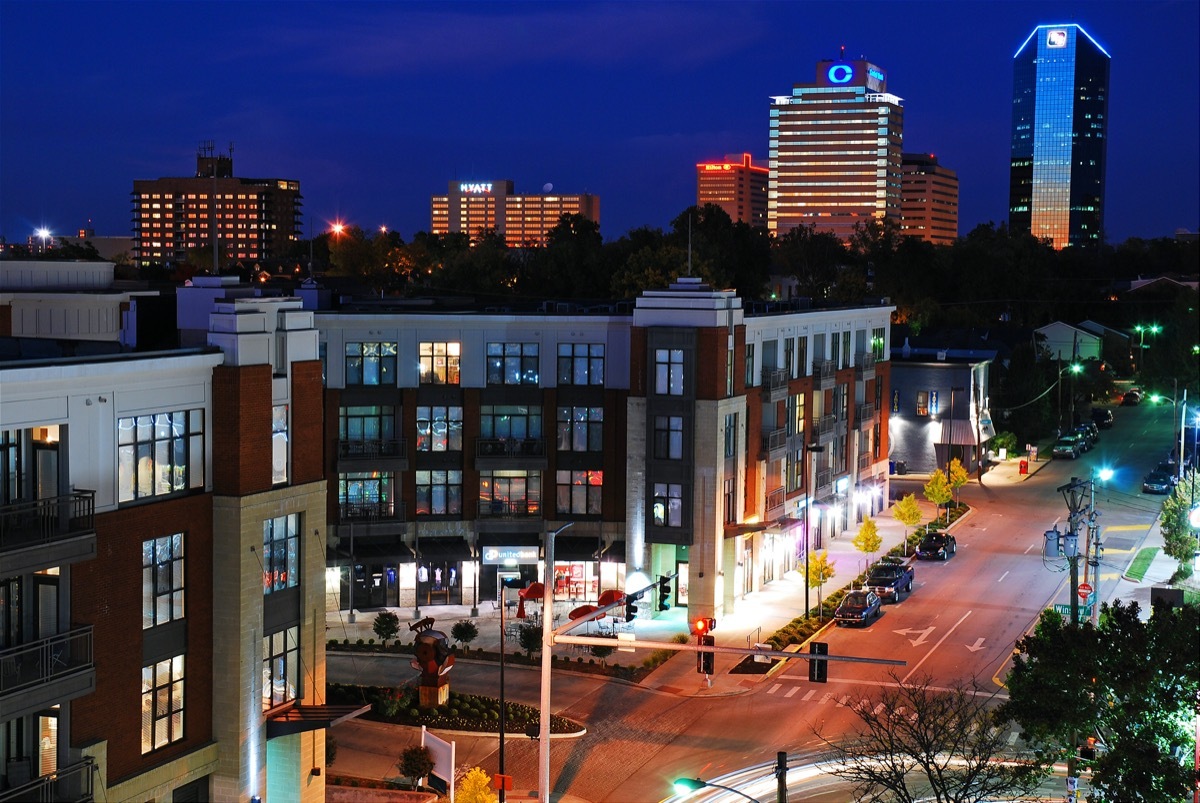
x=809 y=696
x=792 y=691
x=935 y=646
x=1126 y=528
x=977 y=646
x=1002 y=577
x=908 y=631
x=1031 y=546
x=775 y=688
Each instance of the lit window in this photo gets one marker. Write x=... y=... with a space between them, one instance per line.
x=162 y=580
x=581 y=363
x=162 y=703
x=579 y=492
x=281 y=667
x=160 y=454
x=439 y=363
x=667 y=505
x=281 y=553
x=279 y=444
x=512 y=363
x=370 y=363
x=668 y=372
x=439 y=493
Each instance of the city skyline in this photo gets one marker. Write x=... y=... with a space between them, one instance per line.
x=373 y=108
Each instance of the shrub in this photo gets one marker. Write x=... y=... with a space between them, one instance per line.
x=359 y=642
x=464 y=632
x=386 y=626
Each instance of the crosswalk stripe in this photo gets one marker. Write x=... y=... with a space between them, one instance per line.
x=808 y=696
x=775 y=688
x=1012 y=738
x=878 y=709
x=792 y=691
x=845 y=699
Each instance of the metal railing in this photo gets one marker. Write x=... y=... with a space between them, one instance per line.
x=865 y=414
x=826 y=425
x=44 y=521
x=864 y=461
x=775 y=379
x=826 y=373
x=70 y=784
x=824 y=484
x=774 y=440
x=520 y=508
x=775 y=499
x=510 y=447
x=865 y=364
x=371 y=511
x=376 y=447
x=43 y=661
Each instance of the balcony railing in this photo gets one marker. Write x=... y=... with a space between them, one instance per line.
x=864 y=461
x=510 y=447
x=775 y=384
x=865 y=415
x=824 y=485
x=37 y=663
x=774 y=443
x=370 y=511
x=864 y=365
x=826 y=372
x=520 y=508
x=70 y=784
x=45 y=521
x=827 y=426
x=775 y=500
x=367 y=449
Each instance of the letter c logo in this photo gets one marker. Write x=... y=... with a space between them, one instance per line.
x=840 y=73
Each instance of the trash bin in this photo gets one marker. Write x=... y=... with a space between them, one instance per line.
x=1023 y=467
x=901 y=467
x=891 y=467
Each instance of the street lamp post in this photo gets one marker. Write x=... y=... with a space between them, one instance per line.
x=695 y=784
x=547 y=663
x=813 y=449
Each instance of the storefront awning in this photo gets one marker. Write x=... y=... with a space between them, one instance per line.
x=733 y=529
x=577 y=547
x=443 y=549
x=958 y=432
x=303 y=718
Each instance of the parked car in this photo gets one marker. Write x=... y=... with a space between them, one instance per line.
x=1102 y=417
x=1157 y=482
x=858 y=608
x=889 y=578
x=1086 y=441
x=1171 y=469
x=1068 y=446
x=1131 y=398
x=937 y=546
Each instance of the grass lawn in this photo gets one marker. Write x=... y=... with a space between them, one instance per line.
x=1137 y=569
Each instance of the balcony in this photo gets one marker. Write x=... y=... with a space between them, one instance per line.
x=371 y=519
x=864 y=365
x=508 y=516
x=56 y=531
x=826 y=374
x=824 y=484
x=390 y=454
x=827 y=426
x=510 y=453
x=774 y=384
x=774 y=445
x=70 y=784
x=42 y=673
x=865 y=415
x=864 y=462
x=775 y=501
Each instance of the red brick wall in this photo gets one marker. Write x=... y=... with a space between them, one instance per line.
x=711 y=346
x=241 y=429
x=307 y=423
x=637 y=362
x=107 y=593
x=333 y=403
x=883 y=374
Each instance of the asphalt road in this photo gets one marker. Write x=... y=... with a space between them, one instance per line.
x=959 y=624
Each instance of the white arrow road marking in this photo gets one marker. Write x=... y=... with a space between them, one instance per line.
x=935 y=646
x=908 y=631
x=977 y=646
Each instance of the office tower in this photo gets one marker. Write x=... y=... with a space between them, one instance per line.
x=928 y=199
x=737 y=185
x=835 y=149
x=257 y=219
x=1059 y=136
x=470 y=207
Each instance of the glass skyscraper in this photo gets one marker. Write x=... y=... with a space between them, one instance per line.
x=1059 y=136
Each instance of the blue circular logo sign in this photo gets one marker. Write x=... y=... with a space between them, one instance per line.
x=840 y=73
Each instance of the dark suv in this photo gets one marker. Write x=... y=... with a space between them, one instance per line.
x=1102 y=417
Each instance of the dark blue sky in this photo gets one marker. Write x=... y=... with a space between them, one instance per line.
x=374 y=107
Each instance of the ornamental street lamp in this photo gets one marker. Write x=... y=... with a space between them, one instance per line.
x=683 y=785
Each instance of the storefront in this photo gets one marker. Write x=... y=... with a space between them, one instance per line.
x=440 y=571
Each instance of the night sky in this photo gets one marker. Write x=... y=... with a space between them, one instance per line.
x=374 y=107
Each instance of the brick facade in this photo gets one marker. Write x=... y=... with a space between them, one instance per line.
x=241 y=427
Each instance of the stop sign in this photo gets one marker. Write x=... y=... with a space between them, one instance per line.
x=1085 y=591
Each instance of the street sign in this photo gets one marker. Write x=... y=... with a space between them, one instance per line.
x=1065 y=610
x=1085 y=591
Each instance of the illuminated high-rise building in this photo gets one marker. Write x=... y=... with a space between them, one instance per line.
x=835 y=148
x=256 y=219
x=1059 y=136
x=737 y=185
x=928 y=200
x=470 y=207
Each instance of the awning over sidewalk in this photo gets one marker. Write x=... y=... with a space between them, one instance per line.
x=447 y=549
x=303 y=718
x=961 y=433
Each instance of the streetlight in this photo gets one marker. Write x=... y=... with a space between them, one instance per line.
x=1142 y=329
x=813 y=449
x=43 y=234
x=683 y=785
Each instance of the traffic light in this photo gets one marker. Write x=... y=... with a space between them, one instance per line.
x=631 y=608
x=1087 y=752
x=664 y=593
x=818 y=671
x=704 y=658
x=704 y=625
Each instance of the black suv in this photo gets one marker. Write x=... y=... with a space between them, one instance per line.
x=1102 y=417
x=937 y=546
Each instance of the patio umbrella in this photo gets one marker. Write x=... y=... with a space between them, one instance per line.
x=611 y=596
x=531 y=591
x=585 y=610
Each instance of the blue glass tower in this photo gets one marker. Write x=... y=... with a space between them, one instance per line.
x=1059 y=136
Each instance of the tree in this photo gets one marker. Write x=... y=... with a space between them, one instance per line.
x=1178 y=540
x=908 y=513
x=415 y=763
x=958 y=477
x=602 y=652
x=464 y=632
x=530 y=638
x=386 y=626
x=1130 y=684
x=915 y=742
x=475 y=787
x=868 y=540
x=820 y=572
x=937 y=490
